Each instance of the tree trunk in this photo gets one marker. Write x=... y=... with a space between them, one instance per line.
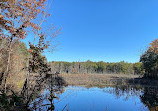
x=8 y=65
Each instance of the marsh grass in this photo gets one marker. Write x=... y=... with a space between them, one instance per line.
x=102 y=80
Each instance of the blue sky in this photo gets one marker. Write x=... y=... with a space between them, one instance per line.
x=103 y=30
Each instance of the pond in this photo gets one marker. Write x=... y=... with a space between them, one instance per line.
x=116 y=98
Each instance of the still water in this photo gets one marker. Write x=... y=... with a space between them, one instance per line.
x=123 y=98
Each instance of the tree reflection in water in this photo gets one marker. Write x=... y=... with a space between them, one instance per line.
x=148 y=94
x=33 y=89
x=54 y=85
x=150 y=98
x=42 y=92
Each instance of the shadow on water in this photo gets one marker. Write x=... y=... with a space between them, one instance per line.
x=142 y=81
x=32 y=89
x=54 y=86
x=147 y=94
x=147 y=87
x=150 y=98
x=40 y=93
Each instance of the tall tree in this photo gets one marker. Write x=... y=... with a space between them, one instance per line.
x=15 y=18
x=150 y=60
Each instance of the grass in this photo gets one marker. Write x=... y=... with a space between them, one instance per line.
x=97 y=79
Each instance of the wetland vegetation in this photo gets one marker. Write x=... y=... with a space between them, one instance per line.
x=29 y=82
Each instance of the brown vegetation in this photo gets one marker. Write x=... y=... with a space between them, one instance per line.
x=17 y=73
x=97 y=79
x=102 y=80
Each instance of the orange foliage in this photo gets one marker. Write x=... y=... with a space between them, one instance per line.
x=21 y=11
x=153 y=46
x=30 y=50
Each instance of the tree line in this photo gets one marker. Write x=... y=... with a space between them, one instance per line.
x=147 y=66
x=101 y=67
x=18 y=18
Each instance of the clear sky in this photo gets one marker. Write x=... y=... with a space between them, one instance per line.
x=103 y=30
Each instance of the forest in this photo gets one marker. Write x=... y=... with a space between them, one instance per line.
x=101 y=67
x=18 y=62
x=148 y=65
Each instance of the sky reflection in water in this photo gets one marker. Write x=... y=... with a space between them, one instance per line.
x=76 y=98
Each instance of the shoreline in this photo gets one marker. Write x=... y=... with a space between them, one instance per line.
x=101 y=80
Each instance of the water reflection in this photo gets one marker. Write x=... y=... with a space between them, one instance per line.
x=45 y=100
x=150 y=98
x=33 y=90
x=76 y=98
x=49 y=94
